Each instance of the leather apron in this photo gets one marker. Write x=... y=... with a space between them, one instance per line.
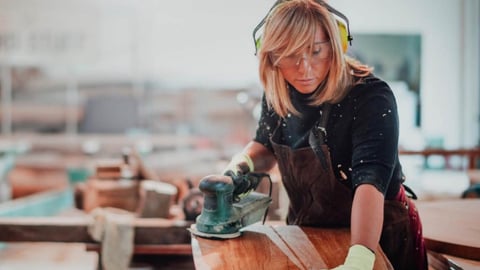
x=319 y=199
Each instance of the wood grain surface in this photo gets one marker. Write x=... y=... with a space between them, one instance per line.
x=452 y=227
x=278 y=247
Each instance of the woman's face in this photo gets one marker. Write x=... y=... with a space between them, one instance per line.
x=306 y=70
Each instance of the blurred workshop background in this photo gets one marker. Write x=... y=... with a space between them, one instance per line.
x=177 y=82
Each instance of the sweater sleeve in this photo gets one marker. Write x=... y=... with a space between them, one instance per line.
x=266 y=125
x=374 y=136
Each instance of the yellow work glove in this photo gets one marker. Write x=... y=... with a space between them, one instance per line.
x=240 y=163
x=358 y=258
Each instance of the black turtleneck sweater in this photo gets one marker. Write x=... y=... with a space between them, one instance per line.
x=362 y=134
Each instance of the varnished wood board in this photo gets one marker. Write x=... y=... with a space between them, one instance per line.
x=277 y=247
x=253 y=250
x=452 y=227
x=320 y=247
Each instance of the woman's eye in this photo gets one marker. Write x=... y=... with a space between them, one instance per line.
x=292 y=57
x=316 y=52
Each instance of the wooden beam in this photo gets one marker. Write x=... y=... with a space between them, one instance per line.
x=151 y=231
x=472 y=154
x=173 y=249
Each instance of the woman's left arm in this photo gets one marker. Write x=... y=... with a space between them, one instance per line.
x=366 y=227
x=374 y=155
x=367 y=216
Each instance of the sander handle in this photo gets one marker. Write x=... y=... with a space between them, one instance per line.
x=245 y=183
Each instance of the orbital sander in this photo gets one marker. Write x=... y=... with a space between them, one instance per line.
x=230 y=204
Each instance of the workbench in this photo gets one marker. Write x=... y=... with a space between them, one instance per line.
x=452 y=227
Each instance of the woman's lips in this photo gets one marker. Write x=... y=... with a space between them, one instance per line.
x=305 y=81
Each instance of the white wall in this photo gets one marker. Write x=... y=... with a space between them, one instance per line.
x=180 y=43
x=443 y=90
x=208 y=43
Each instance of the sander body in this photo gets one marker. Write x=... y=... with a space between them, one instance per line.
x=230 y=204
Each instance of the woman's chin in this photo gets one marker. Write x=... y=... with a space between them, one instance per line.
x=306 y=89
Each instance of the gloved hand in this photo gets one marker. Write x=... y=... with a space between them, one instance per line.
x=358 y=258
x=240 y=163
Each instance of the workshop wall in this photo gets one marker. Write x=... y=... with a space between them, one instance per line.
x=153 y=47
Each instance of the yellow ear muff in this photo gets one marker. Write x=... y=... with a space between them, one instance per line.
x=343 y=35
x=258 y=44
x=343 y=28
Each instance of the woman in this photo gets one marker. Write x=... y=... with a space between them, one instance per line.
x=332 y=127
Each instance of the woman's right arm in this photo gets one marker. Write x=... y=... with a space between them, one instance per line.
x=257 y=153
x=262 y=158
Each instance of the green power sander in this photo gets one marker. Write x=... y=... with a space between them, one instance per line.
x=230 y=204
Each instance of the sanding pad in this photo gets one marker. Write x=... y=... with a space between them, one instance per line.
x=194 y=231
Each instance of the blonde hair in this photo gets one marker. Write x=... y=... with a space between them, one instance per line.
x=291 y=27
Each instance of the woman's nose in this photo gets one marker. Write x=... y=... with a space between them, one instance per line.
x=304 y=65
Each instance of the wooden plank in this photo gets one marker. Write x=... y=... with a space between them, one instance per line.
x=278 y=247
x=173 y=249
x=74 y=229
x=256 y=249
x=437 y=261
x=452 y=227
x=464 y=263
x=321 y=248
x=301 y=244
x=47 y=256
x=277 y=240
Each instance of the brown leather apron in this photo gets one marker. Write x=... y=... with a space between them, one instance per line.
x=318 y=199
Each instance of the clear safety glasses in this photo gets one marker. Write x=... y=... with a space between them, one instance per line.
x=319 y=52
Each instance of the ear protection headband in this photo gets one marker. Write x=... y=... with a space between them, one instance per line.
x=343 y=27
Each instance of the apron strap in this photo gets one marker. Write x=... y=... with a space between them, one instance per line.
x=318 y=134
x=409 y=192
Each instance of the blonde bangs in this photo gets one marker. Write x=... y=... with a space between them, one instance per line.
x=289 y=29
x=288 y=38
